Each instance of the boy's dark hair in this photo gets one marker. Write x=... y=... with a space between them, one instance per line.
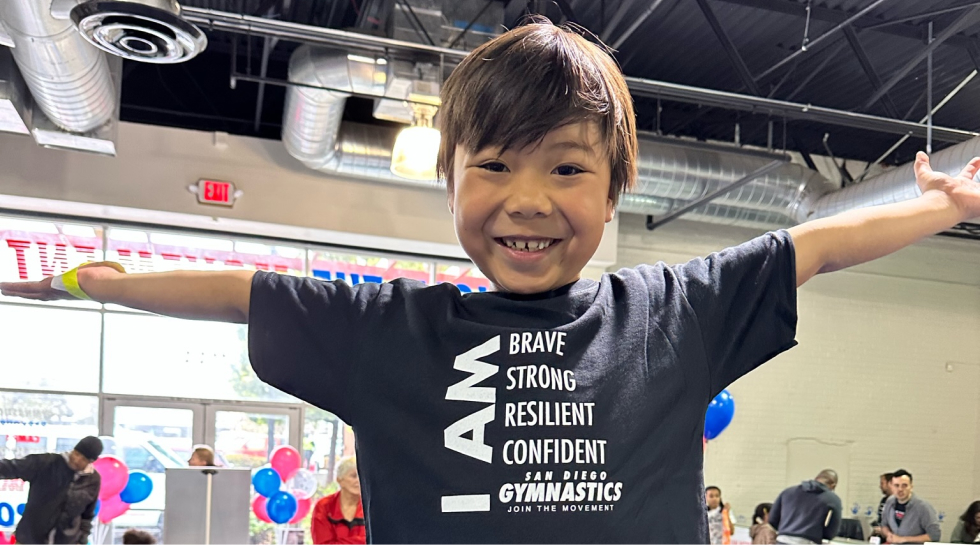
x=513 y=90
x=137 y=537
x=902 y=473
x=888 y=476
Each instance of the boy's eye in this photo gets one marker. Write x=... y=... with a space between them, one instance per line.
x=568 y=170
x=494 y=166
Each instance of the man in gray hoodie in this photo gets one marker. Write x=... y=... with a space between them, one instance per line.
x=809 y=512
x=907 y=518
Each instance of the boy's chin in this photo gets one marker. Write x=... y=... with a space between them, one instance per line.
x=522 y=284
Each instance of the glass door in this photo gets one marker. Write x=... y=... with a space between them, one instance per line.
x=150 y=436
x=246 y=435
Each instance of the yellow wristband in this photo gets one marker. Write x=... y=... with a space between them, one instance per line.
x=70 y=279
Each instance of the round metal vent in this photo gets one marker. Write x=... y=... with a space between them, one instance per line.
x=140 y=30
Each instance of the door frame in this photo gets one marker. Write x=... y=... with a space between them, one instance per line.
x=203 y=430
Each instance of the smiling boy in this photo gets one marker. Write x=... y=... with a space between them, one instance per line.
x=555 y=409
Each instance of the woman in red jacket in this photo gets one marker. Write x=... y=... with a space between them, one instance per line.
x=339 y=518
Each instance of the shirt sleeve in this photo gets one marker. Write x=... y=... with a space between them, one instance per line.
x=22 y=468
x=832 y=528
x=745 y=302
x=932 y=526
x=304 y=333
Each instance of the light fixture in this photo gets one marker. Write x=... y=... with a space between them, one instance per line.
x=417 y=147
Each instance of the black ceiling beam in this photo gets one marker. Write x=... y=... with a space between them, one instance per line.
x=829 y=15
x=618 y=15
x=946 y=34
x=636 y=24
x=743 y=71
x=923 y=15
x=812 y=44
x=829 y=56
x=869 y=69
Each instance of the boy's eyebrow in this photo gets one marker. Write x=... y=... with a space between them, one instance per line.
x=572 y=145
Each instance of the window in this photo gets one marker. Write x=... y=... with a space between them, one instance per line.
x=31 y=250
x=50 y=348
x=158 y=356
x=356 y=269
x=467 y=278
x=33 y=423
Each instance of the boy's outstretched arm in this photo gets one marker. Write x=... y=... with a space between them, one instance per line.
x=196 y=295
x=858 y=236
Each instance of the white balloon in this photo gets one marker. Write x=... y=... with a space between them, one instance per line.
x=302 y=484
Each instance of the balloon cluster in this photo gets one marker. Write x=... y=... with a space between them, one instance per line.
x=120 y=488
x=284 y=490
x=718 y=416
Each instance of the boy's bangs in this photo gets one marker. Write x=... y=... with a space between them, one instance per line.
x=561 y=85
x=515 y=89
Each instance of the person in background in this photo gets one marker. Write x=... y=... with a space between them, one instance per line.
x=885 y=483
x=64 y=489
x=137 y=537
x=968 y=526
x=906 y=517
x=720 y=522
x=203 y=456
x=762 y=532
x=339 y=517
x=809 y=512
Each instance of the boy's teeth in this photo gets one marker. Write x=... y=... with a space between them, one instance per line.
x=527 y=245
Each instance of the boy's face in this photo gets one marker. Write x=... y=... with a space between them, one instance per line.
x=532 y=218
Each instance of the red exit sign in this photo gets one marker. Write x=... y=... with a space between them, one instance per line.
x=216 y=192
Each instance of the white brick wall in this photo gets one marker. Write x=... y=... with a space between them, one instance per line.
x=870 y=373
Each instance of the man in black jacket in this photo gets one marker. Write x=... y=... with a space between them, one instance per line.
x=64 y=489
x=809 y=512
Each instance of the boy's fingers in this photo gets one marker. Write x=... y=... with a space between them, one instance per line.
x=922 y=166
x=971 y=168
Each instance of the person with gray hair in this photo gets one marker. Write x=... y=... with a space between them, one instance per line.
x=809 y=512
x=339 y=517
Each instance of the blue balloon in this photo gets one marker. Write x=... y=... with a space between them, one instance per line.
x=266 y=481
x=138 y=488
x=281 y=507
x=719 y=415
x=98 y=507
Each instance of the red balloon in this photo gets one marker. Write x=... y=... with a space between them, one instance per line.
x=287 y=461
x=112 y=508
x=302 y=509
x=114 y=475
x=258 y=507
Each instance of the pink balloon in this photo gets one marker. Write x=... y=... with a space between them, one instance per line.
x=112 y=508
x=302 y=509
x=287 y=461
x=114 y=475
x=258 y=507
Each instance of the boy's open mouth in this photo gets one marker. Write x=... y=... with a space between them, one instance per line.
x=525 y=244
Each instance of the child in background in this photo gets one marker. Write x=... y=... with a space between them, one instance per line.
x=720 y=521
x=762 y=532
x=556 y=408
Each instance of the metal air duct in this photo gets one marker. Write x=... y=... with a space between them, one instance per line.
x=75 y=96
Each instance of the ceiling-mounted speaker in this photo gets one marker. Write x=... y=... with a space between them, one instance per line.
x=139 y=30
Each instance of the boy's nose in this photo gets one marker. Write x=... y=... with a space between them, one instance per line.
x=528 y=199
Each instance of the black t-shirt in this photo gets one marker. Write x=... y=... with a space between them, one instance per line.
x=569 y=416
x=899 y=512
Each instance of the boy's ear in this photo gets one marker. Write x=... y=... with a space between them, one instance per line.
x=610 y=210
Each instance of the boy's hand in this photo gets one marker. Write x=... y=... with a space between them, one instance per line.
x=42 y=290
x=961 y=189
